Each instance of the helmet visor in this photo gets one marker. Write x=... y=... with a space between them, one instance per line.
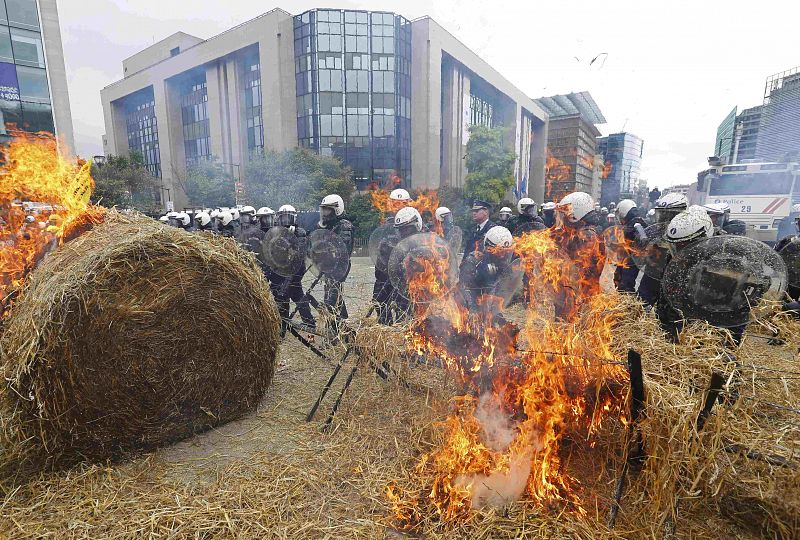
x=286 y=219
x=665 y=215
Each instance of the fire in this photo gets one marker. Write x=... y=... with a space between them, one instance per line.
x=525 y=387
x=35 y=171
x=556 y=172
x=607 y=168
x=423 y=201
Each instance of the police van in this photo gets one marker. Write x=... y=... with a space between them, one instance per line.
x=760 y=194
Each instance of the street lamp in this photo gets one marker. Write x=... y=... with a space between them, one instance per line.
x=169 y=199
x=237 y=180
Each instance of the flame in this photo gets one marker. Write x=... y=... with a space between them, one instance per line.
x=607 y=168
x=504 y=439
x=34 y=170
x=556 y=172
x=423 y=201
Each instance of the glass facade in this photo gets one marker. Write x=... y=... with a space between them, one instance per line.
x=24 y=90
x=353 y=85
x=723 y=145
x=251 y=75
x=622 y=153
x=194 y=114
x=142 y=128
x=481 y=111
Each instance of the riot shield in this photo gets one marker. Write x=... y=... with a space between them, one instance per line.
x=510 y=282
x=790 y=253
x=653 y=258
x=455 y=238
x=422 y=267
x=720 y=279
x=328 y=254
x=373 y=246
x=614 y=239
x=283 y=252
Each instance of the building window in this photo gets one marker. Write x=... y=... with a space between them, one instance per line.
x=175 y=52
x=481 y=111
x=142 y=128
x=23 y=13
x=194 y=114
x=354 y=91
x=252 y=102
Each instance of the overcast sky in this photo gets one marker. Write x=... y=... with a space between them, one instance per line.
x=673 y=70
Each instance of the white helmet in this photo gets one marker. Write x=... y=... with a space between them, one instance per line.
x=688 y=226
x=172 y=215
x=550 y=205
x=248 y=210
x=183 y=218
x=524 y=204
x=505 y=213
x=698 y=209
x=408 y=216
x=576 y=206
x=264 y=211
x=604 y=209
x=398 y=195
x=625 y=206
x=498 y=236
x=214 y=213
x=287 y=215
x=673 y=200
x=335 y=202
x=713 y=209
x=225 y=217
x=202 y=218
x=164 y=219
x=234 y=213
x=441 y=212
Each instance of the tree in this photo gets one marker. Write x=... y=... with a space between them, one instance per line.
x=364 y=216
x=298 y=177
x=207 y=184
x=490 y=164
x=124 y=181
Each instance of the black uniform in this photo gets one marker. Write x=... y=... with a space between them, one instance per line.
x=626 y=273
x=285 y=289
x=524 y=224
x=334 y=301
x=475 y=240
x=736 y=227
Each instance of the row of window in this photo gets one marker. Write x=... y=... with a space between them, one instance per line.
x=252 y=103
x=20 y=13
x=142 y=130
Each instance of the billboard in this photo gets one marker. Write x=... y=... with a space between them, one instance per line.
x=9 y=85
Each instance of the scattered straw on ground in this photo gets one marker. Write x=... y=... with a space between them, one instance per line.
x=272 y=475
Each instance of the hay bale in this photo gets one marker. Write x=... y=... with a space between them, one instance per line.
x=132 y=336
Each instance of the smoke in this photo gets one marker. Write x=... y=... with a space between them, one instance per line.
x=498 y=431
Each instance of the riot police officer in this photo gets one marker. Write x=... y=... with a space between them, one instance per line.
x=407 y=222
x=528 y=220
x=202 y=221
x=444 y=222
x=549 y=214
x=481 y=270
x=289 y=288
x=666 y=208
x=482 y=224
x=331 y=218
x=626 y=272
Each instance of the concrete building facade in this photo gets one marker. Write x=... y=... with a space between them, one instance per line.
x=33 y=80
x=572 y=134
x=392 y=98
x=779 y=125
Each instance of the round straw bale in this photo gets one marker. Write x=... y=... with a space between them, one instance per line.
x=132 y=336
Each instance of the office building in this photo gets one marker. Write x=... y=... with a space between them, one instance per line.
x=387 y=96
x=723 y=146
x=779 y=126
x=622 y=153
x=572 y=144
x=33 y=81
x=749 y=121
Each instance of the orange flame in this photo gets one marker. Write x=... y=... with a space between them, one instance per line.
x=504 y=438
x=607 y=168
x=556 y=174
x=423 y=201
x=52 y=192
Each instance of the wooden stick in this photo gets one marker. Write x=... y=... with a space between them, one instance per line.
x=313 y=411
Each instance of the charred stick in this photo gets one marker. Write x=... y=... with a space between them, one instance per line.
x=326 y=427
x=636 y=455
x=307 y=343
x=772 y=459
x=313 y=411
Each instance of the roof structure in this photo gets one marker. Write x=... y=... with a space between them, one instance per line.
x=581 y=103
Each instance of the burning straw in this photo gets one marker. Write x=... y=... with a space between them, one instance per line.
x=132 y=336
